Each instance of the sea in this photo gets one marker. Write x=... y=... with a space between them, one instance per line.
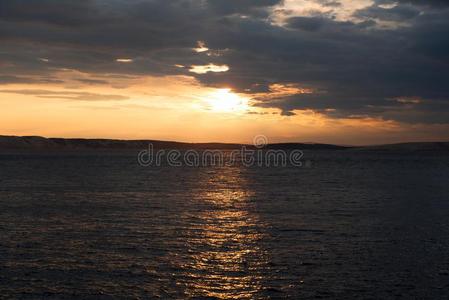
x=345 y=224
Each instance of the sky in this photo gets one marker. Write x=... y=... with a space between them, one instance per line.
x=343 y=72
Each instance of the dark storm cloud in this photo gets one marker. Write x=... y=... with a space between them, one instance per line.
x=355 y=68
x=397 y=13
x=435 y=3
x=240 y=6
x=59 y=12
x=317 y=23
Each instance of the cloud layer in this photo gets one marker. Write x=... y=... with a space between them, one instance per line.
x=361 y=66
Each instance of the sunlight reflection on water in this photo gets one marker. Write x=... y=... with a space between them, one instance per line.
x=224 y=257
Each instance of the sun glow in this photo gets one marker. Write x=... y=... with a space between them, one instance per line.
x=223 y=100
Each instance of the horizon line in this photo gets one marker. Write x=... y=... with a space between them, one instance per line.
x=222 y=143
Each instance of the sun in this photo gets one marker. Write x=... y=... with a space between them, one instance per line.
x=223 y=100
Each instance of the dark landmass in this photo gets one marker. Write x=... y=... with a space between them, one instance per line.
x=61 y=144
x=408 y=147
x=305 y=146
x=37 y=143
x=41 y=143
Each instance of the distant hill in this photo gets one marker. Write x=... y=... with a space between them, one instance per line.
x=41 y=143
x=37 y=143
x=408 y=147
x=305 y=146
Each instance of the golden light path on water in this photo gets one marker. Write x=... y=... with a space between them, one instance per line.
x=224 y=258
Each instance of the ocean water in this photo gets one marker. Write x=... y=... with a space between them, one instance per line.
x=350 y=225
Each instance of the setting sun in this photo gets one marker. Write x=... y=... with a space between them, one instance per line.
x=223 y=100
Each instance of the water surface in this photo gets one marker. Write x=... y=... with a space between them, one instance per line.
x=351 y=225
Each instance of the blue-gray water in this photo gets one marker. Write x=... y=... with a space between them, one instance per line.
x=351 y=225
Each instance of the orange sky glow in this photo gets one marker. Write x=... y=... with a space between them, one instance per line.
x=179 y=108
x=348 y=72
